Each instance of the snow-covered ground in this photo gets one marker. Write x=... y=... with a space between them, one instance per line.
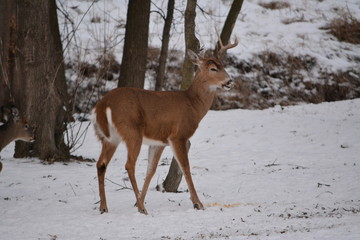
x=281 y=173
x=296 y=29
x=303 y=55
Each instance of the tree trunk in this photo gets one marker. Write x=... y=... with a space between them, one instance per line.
x=133 y=65
x=229 y=23
x=226 y=34
x=191 y=42
x=174 y=175
x=173 y=178
x=33 y=63
x=165 y=46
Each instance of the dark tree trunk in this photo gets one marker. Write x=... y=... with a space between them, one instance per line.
x=133 y=65
x=229 y=23
x=174 y=175
x=7 y=26
x=226 y=34
x=165 y=46
x=173 y=178
x=33 y=63
x=191 y=42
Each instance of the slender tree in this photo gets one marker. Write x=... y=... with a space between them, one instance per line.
x=133 y=65
x=191 y=42
x=165 y=46
x=173 y=178
x=229 y=23
x=32 y=63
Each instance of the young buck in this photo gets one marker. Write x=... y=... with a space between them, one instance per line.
x=15 y=128
x=158 y=119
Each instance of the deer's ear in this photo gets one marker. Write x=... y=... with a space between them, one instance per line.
x=5 y=113
x=194 y=58
x=15 y=114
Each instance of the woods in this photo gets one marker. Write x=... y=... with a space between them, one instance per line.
x=33 y=77
x=60 y=58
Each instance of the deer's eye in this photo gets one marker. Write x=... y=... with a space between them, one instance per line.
x=26 y=126
x=214 y=69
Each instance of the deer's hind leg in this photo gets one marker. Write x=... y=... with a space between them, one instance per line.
x=133 y=146
x=106 y=154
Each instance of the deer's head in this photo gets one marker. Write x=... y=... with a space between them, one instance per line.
x=211 y=69
x=16 y=127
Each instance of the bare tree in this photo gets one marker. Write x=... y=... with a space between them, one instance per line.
x=191 y=42
x=32 y=67
x=133 y=65
x=165 y=46
x=173 y=178
x=229 y=23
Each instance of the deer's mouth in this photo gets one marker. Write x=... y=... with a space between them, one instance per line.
x=228 y=85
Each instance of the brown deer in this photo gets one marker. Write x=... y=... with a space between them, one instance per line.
x=15 y=128
x=158 y=119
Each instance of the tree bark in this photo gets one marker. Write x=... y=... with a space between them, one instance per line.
x=174 y=175
x=191 y=42
x=226 y=34
x=165 y=46
x=229 y=23
x=133 y=65
x=32 y=60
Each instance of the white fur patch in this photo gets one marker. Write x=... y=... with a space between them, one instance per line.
x=150 y=166
x=152 y=142
x=93 y=120
x=175 y=155
x=213 y=88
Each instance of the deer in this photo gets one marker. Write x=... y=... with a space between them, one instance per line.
x=15 y=128
x=166 y=118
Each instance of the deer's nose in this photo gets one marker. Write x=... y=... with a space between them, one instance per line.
x=228 y=85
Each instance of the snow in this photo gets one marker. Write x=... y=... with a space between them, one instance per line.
x=280 y=173
x=258 y=29
x=298 y=31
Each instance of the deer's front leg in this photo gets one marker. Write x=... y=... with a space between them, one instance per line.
x=181 y=155
x=154 y=157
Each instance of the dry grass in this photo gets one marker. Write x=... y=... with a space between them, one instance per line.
x=275 y=5
x=345 y=28
x=272 y=78
x=294 y=20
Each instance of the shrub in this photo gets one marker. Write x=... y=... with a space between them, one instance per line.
x=275 y=5
x=346 y=28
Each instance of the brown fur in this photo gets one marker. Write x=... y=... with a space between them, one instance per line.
x=170 y=118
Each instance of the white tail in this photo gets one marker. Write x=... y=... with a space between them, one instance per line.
x=159 y=119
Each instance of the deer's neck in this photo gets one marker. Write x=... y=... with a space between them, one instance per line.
x=201 y=96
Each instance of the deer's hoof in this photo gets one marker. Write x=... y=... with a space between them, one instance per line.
x=103 y=210
x=143 y=211
x=198 y=206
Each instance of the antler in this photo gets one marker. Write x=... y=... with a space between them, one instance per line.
x=227 y=46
